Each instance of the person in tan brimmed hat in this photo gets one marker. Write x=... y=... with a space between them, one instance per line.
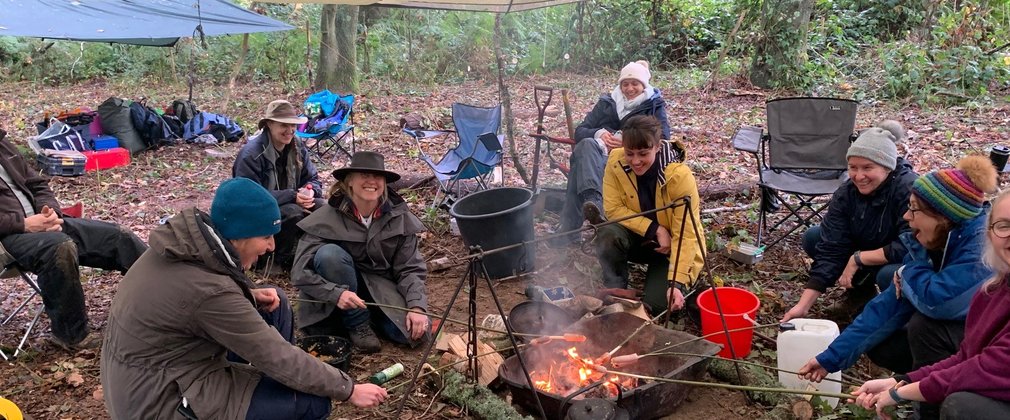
x=362 y=246
x=279 y=162
x=597 y=135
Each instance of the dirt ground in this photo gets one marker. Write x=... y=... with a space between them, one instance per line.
x=48 y=384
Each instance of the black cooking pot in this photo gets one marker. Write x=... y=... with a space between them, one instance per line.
x=330 y=349
x=539 y=318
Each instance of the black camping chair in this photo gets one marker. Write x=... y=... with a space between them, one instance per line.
x=800 y=158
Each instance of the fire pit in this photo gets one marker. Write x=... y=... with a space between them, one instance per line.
x=559 y=368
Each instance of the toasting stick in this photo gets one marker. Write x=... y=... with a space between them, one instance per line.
x=571 y=338
x=605 y=358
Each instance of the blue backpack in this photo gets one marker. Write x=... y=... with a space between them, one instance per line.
x=220 y=126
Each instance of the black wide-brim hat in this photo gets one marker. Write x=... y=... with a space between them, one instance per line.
x=370 y=162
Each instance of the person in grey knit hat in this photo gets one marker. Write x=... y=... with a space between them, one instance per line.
x=856 y=246
x=876 y=145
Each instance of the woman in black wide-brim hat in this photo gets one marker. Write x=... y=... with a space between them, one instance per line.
x=362 y=246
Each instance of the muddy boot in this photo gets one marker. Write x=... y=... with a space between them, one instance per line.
x=592 y=207
x=90 y=342
x=364 y=339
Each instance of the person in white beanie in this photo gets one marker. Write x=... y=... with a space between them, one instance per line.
x=597 y=135
x=857 y=245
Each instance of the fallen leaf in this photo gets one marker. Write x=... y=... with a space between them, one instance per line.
x=98 y=393
x=75 y=379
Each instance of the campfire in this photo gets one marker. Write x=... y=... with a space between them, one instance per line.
x=587 y=355
x=570 y=372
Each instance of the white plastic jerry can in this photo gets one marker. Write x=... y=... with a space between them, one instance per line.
x=799 y=341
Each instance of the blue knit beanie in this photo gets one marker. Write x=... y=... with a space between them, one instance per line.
x=244 y=209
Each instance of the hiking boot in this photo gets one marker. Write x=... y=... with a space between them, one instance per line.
x=364 y=339
x=591 y=211
x=91 y=342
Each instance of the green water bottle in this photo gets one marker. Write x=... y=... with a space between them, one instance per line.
x=386 y=374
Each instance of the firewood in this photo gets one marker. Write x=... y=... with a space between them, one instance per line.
x=487 y=366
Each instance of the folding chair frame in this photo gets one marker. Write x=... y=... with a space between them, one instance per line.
x=807 y=211
x=9 y=271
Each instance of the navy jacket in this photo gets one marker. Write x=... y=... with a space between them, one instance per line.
x=857 y=222
x=944 y=294
x=253 y=163
x=604 y=115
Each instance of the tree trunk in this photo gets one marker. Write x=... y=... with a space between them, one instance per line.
x=338 y=70
x=780 y=54
x=506 y=101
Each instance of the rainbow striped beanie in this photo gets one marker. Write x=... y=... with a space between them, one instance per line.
x=951 y=193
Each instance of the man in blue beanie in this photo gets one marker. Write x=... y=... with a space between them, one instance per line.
x=186 y=319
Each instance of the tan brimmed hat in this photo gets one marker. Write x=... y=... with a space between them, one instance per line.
x=282 y=111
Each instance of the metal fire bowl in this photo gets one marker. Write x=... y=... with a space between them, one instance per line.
x=603 y=333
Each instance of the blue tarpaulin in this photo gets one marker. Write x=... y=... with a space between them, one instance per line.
x=139 y=22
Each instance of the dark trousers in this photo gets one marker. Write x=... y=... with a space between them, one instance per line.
x=585 y=175
x=881 y=276
x=272 y=399
x=970 y=406
x=335 y=265
x=923 y=341
x=55 y=258
x=616 y=246
x=286 y=240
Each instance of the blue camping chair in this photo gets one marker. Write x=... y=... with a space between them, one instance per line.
x=330 y=126
x=478 y=152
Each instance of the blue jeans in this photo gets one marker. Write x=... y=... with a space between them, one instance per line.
x=586 y=175
x=882 y=275
x=335 y=265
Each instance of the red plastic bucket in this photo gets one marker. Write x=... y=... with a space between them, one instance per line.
x=736 y=303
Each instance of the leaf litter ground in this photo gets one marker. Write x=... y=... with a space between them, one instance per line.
x=51 y=384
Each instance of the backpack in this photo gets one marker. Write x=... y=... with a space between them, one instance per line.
x=115 y=118
x=153 y=129
x=183 y=110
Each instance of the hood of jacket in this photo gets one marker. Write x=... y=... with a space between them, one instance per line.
x=191 y=238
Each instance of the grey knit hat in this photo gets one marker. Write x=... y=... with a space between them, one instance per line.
x=876 y=145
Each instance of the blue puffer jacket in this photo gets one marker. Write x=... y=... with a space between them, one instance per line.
x=943 y=294
x=604 y=115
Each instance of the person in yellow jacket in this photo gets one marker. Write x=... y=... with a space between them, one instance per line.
x=646 y=174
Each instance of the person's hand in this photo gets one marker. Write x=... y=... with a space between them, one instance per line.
x=845 y=280
x=350 y=300
x=611 y=141
x=881 y=401
x=417 y=324
x=663 y=237
x=367 y=395
x=45 y=221
x=867 y=393
x=676 y=296
x=798 y=311
x=304 y=197
x=266 y=298
x=812 y=371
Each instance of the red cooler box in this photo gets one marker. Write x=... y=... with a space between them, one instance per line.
x=105 y=159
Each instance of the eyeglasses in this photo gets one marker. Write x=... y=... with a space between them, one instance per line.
x=912 y=211
x=1001 y=228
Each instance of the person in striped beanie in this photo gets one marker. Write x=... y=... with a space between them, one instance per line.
x=919 y=319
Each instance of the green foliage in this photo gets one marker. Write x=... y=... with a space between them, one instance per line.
x=480 y=402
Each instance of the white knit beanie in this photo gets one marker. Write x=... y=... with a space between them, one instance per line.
x=638 y=70
x=876 y=145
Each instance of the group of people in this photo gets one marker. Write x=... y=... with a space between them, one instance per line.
x=925 y=261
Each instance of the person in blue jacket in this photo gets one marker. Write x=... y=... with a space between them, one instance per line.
x=279 y=162
x=919 y=319
x=597 y=135
x=858 y=246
